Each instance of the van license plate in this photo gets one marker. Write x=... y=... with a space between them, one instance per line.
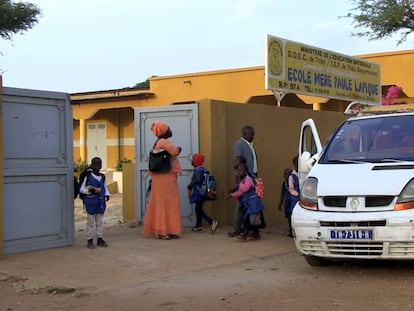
x=353 y=234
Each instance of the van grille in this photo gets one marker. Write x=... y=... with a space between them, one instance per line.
x=371 y=223
x=370 y=201
x=358 y=249
x=337 y=201
x=401 y=249
x=374 y=201
x=355 y=248
x=312 y=247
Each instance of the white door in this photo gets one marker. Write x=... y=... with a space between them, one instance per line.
x=96 y=142
x=183 y=121
x=310 y=148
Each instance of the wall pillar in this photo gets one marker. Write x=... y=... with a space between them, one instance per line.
x=82 y=140
x=128 y=196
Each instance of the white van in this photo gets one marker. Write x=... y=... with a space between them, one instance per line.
x=357 y=192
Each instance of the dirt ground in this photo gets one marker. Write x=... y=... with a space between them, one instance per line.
x=199 y=271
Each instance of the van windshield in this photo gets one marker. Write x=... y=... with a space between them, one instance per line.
x=379 y=139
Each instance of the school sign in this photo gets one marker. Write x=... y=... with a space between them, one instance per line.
x=293 y=67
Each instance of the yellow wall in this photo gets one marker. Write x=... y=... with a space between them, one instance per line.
x=396 y=68
x=128 y=200
x=233 y=85
x=236 y=85
x=276 y=142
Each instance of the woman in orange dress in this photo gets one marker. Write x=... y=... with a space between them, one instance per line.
x=163 y=215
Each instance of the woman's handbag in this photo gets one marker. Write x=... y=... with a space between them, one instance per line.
x=159 y=161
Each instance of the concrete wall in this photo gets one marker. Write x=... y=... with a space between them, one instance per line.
x=233 y=85
x=396 y=68
x=236 y=85
x=276 y=142
x=128 y=196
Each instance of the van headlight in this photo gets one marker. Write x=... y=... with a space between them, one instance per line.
x=406 y=198
x=308 y=194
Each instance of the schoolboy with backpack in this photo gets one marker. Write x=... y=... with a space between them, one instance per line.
x=94 y=194
x=201 y=188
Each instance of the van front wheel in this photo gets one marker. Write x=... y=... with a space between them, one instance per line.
x=316 y=261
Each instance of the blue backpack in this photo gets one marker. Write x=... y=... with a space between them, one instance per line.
x=207 y=190
x=85 y=174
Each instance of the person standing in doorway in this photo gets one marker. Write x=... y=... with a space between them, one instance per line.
x=163 y=215
x=243 y=148
x=94 y=194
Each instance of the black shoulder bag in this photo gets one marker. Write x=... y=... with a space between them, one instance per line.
x=159 y=160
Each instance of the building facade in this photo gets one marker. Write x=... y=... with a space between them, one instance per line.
x=103 y=121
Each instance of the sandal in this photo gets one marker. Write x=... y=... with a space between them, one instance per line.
x=163 y=237
x=173 y=236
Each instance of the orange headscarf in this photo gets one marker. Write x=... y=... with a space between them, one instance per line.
x=159 y=128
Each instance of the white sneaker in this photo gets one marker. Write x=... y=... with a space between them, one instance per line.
x=214 y=225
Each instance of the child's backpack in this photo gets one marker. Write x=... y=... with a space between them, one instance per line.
x=260 y=187
x=208 y=188
x=75 y=187
x=85 y=174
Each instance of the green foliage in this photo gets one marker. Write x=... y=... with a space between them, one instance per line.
x=142 y=85
x=121 y=162
x=383 y=18
x=17 y=17
x=79 y=166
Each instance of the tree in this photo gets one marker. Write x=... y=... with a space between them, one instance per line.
x=15 y=18
x=383 y=18
x=142 y=85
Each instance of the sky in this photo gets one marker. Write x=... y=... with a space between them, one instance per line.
x=93 y=45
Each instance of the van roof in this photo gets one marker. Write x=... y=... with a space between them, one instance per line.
x=359 y=109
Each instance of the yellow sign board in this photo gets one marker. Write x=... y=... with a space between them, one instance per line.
x=294 y=67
